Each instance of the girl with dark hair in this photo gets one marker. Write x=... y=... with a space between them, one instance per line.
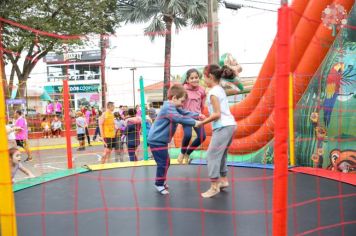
x=224 y=126
x=194 y=102
x=119 y=129
x=133 y=128
x=15 y=163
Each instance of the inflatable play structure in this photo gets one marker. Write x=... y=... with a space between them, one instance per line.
x=324 y=84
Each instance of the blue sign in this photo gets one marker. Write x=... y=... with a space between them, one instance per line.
x=15 y=101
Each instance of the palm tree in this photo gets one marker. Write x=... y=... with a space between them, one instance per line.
x=162 y=14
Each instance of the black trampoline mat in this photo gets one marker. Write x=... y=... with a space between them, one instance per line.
x=123 y=202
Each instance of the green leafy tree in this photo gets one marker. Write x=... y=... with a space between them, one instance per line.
x=23 y=48
x=161 y=15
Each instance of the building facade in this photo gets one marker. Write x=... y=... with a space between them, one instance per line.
x=83 y=71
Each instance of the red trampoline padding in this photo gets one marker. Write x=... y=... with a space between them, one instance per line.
x=338 y=176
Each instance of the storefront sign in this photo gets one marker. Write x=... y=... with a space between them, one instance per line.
x=77 y=88
x=93 y=55
x=73 y=56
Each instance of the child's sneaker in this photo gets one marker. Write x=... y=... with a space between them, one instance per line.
x=187 y=159
x=180 y=158
x=223 y=184
x=212 y=191
x=162 y=190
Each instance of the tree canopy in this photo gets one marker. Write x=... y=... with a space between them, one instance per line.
x=161 y=15
x=61 y=17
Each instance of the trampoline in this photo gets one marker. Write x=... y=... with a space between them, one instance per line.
x=123 y=201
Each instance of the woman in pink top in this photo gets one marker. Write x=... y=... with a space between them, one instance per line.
x=194 y=103
x=58 y=108
x=22 y=133
x=49 y=108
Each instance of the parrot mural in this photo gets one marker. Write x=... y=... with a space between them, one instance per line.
x=332 y=89
x=341 y=82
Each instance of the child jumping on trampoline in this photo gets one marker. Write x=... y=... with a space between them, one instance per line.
x=224 y=127
x=163 y=130
x=195 y=102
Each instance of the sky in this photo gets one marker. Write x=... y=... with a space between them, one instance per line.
x=247 y=34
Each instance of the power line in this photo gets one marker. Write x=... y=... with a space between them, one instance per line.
x=270 y=3
x=175 y=66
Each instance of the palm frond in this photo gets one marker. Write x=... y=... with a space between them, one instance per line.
x=155 y=28
x=180 y=22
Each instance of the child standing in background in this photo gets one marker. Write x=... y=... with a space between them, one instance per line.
x=80 y=123
x=132 y=131
x=119 y=130
x=224 y=127
x=195 y=102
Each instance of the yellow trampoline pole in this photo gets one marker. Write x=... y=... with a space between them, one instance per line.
x=291 y=122
x=7 y=204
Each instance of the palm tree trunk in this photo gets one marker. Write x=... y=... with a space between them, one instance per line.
x=167 y=56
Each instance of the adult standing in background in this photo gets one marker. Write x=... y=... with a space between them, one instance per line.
x=58 y=108
x=97 y=129
x=22 y=133
x=87 y=120
x=11 y=137
x=107 y=130
x=93 y=113
x=138 y=111
x=49 y=108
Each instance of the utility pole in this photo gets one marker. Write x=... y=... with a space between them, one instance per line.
x=213 y=32
x=103 y=45
x=133 y=85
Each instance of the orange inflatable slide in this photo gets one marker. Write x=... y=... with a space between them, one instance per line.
x=310 y=41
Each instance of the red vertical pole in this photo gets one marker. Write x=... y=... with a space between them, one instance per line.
x=280 y=179
x=67 y=123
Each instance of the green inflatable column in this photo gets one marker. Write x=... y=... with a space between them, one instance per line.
x=143 y=116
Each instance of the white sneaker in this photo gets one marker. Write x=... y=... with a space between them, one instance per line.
x=162 y=190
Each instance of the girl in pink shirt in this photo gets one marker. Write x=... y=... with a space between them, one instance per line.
x=194 y=103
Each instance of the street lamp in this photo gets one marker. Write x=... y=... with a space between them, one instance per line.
x=133 y=81
x=232 y=6
x=133 y=84
x=237 y=6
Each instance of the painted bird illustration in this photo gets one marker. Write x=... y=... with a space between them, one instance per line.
x=333 y=82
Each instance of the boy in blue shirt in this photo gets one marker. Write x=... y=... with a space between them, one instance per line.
x=163 y=130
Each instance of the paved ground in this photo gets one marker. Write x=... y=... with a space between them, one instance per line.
x=50 y=155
